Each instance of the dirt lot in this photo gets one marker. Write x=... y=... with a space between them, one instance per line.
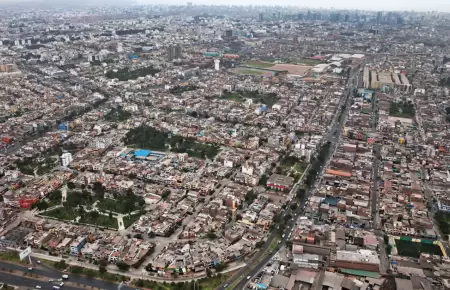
x=292 y=69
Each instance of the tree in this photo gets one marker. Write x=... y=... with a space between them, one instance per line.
x=151 y=235
x=211 y=235
x=55 y=195
x=42 y=205
x=110 y=215
x=287 y=217
x=165 y=194
x=259 y=244
x=80 y=210
x=102 y=269
x=128 y=205
x=122 y=266
x=94 y=214
x=219 y=267
x=138 y=236
x=76 y=269
x=208 y=272
x=294 y=206
x=60 y=265
x=70 y=185
x=99 y=190
x=103 y=263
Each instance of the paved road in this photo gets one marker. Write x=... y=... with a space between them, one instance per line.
x=48 y=272
x=374 y=188
x=242 y=275
x=17 y=280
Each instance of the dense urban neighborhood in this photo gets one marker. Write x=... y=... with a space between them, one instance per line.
x=224 y=147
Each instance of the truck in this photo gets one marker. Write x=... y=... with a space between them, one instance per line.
x=65 y=276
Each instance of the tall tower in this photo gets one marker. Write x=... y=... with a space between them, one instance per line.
x=217 y=64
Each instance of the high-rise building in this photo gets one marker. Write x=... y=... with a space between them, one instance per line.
x=173 y=52
x=229 y=33
x=379 y=17
x=261 y=16
x=66 y=158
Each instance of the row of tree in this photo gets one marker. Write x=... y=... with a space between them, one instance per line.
x=126 y=74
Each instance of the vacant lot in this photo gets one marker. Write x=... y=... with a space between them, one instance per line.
x=249 y=71
x=258 y=64
x=292 y=69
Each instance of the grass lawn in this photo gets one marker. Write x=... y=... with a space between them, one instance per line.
x=231 y=97
x=11 y=256
x=129 y=220
x=61 y=213
x=413 y=249
x=123 y=204
x=250 y=71
x=203 y=284
x=300 y=167
x=96 y=274
x=258 y=64
x=101 y=221
x=213 y=282
x=308 y=61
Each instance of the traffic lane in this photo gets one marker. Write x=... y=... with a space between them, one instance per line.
x=253 y=273
x=243 y=271
x=47 y=271
x=27 y=282
x=257 y=269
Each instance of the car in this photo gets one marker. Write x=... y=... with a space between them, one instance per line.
x=56 y=287
x=248 y=277
x=38 y=287
x=225 y=286
x=38 y=261
x=62 y=284
x=59 y=280
x=30 y=269
x=51 y=280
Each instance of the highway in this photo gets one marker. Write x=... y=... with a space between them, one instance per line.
x=18 y=280
x=239 y=280
x=48 y=272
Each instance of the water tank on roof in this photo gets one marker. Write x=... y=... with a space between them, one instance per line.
x=212 y=54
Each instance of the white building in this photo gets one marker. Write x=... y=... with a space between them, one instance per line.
x=217 y=64
x=66 y=159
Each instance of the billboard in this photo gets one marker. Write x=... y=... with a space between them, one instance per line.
x=25 y=253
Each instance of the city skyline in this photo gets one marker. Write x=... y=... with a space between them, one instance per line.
x=382 y=5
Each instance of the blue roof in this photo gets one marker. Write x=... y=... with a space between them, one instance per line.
x=262 y=286
x=331 y=201
x=142 y=153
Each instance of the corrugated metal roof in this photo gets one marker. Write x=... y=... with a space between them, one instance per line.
x=361 y=273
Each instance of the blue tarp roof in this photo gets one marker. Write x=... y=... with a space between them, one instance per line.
x=262 y=286
x=142 y=153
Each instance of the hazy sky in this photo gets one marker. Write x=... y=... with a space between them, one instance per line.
x=401 y=5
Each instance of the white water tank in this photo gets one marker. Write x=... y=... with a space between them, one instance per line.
x=217 y=64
